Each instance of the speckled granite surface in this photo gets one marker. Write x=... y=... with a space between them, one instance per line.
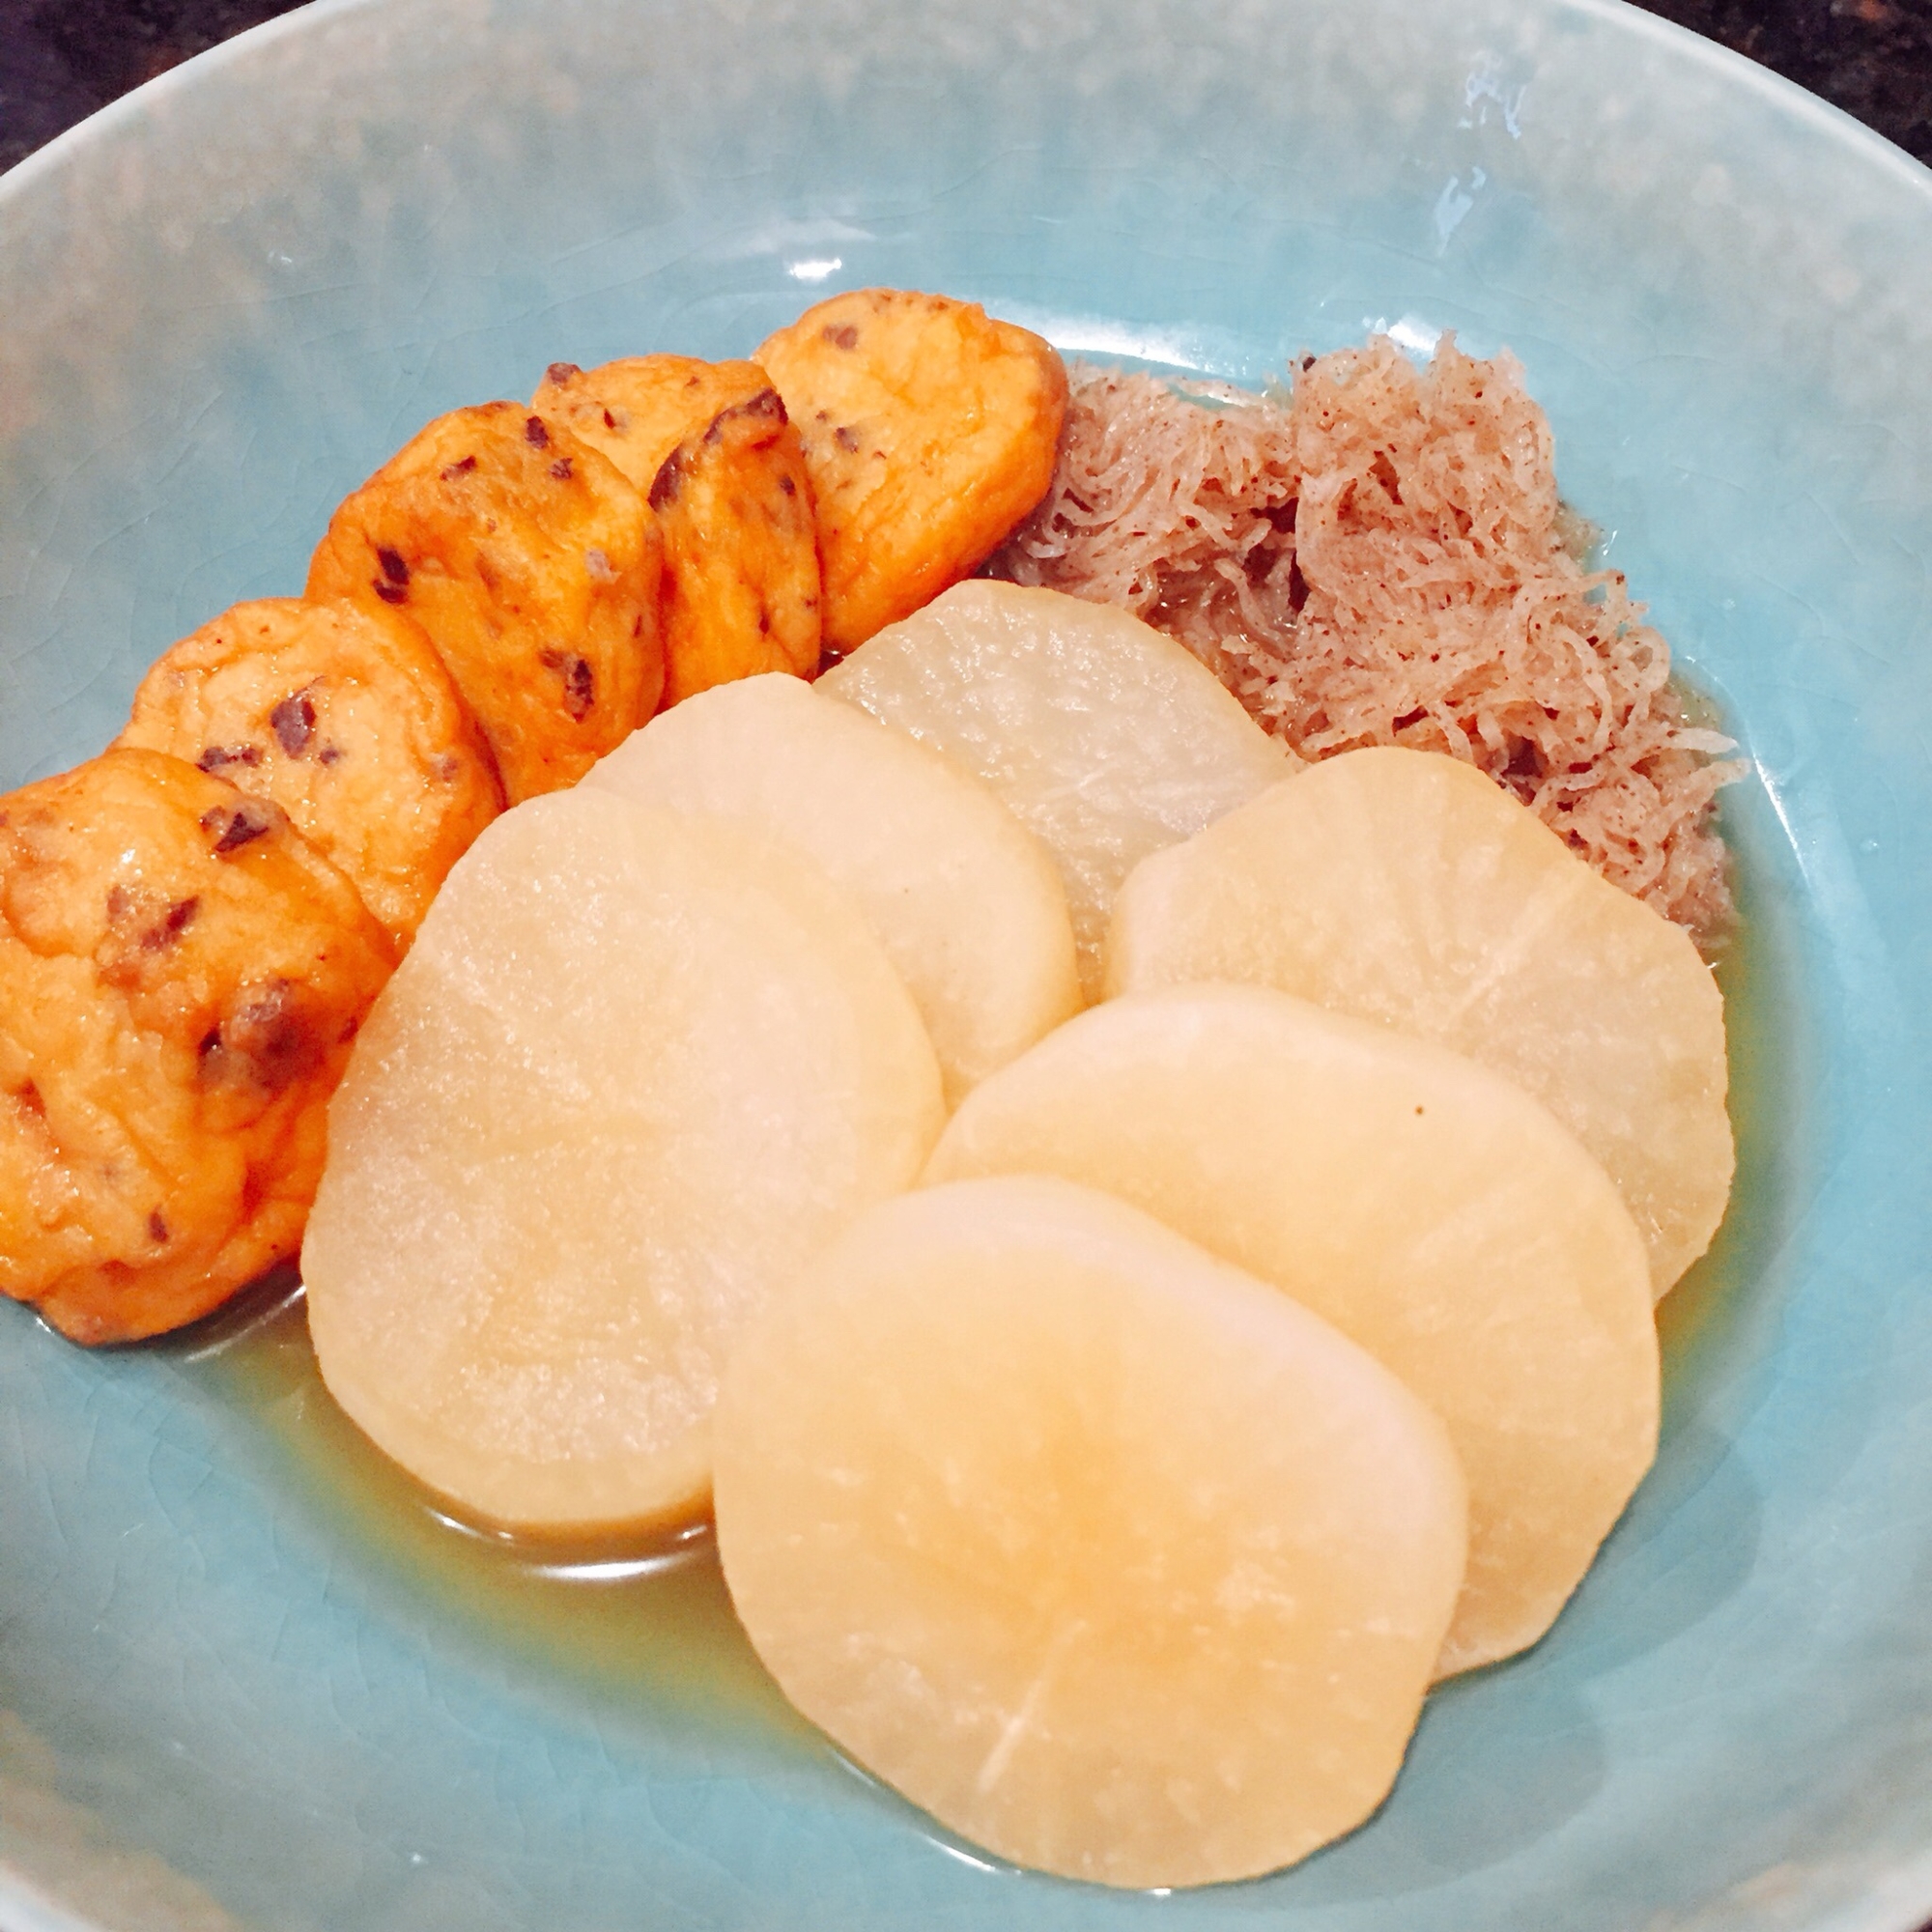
x=1873 y=58
x=62 y=59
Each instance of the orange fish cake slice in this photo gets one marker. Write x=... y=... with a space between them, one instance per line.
x=637 y=409
x=929 y=431
x=1112 y=1558
x=346 y=719
x=710 y=444
x=532 y=564
x=180 y=976
x=741 y=550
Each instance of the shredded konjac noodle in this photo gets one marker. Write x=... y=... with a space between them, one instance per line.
x=1380 y=557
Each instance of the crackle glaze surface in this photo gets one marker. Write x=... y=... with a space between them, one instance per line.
x=243 y=1682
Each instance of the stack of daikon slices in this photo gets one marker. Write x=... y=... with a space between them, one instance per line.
x=1115 y=1419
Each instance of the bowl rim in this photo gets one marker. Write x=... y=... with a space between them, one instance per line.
x=1683 y=44
x=1904 y=1904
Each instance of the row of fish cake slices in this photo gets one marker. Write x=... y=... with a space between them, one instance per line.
x=196 y=922
x=515 y=590
x=496 y=608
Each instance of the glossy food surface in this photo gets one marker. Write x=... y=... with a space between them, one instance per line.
x=635 y=1071
x=1106 y=740
x=345 y=717
x=532 y=564
x=963 y=897
x=1404 y=887
x=929 y=431
x=181 y=976
x=1431 y=1212
x=1121 y=1564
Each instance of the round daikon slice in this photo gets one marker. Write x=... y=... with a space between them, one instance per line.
x=635 y=1071
x=1429 y=1209
x=966 y=901
x=1112 y=1558
x=1106 y=739
x=1407 y=888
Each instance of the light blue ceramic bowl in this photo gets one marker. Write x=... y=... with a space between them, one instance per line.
x=244 y=1680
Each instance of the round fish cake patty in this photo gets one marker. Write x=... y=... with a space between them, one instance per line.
x=929 y=430
x=180 y=976
x=721 y=464
x=741 y=550
x=346 y=719
x=640 y=408
x=533 y=566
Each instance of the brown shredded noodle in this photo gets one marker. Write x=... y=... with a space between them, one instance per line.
x=1380 y=557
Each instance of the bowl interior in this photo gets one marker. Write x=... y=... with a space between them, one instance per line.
x=247 y=1680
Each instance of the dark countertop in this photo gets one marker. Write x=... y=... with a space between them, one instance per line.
x=1873 y=58
x=62 y=59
